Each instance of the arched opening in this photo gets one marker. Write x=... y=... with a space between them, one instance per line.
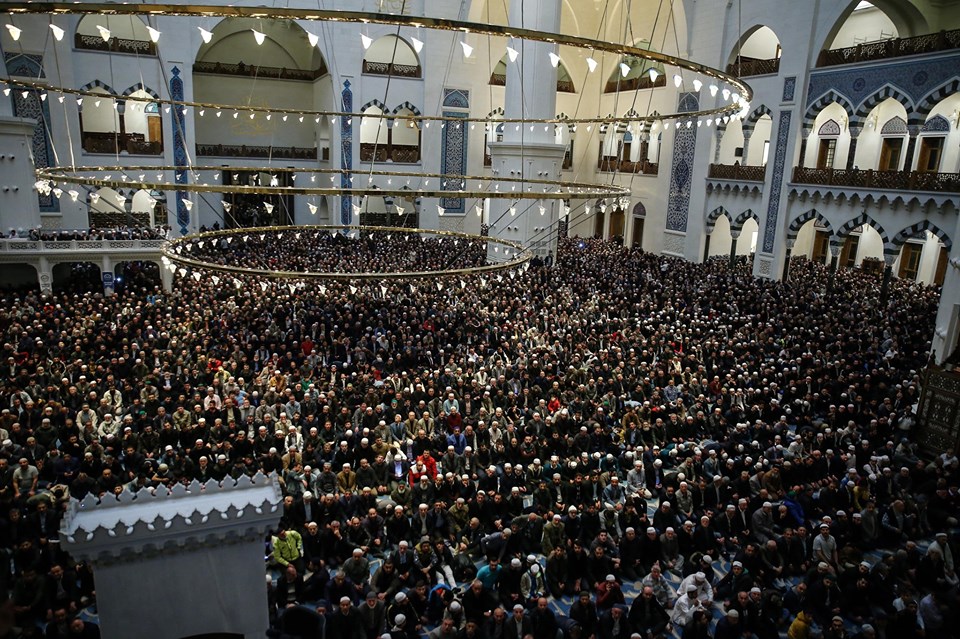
x=374 y=211
x=862 y=247
x=636 y=232
x=865 y=24
x=100 y=122
x=878 y=29
x=564 y=81
x=148 y=208
x=284 y=72
x=757 y=53
x=107 y=207
x=394 y=139
x=76 y=277
x=563 y=135
x=813 y=242
x=628 y=149
x=248 y=209
x=617 y=224
x=19 y=278
x=882 y=143
x=938 y=149
x=829 y=141
x=137 y=275
x=141 y=126
x=374 y=135
x=493 y=132
x=393 y=56
x=747 y=242
x=116 y=34
x=405 y=137
x=720 y=238
x=633 y=73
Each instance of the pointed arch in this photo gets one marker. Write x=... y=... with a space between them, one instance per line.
x=406 y=105
x=754 y=117
x=375 y=103
x=863 y=219
x=715 y=215
x=917 y=229
x=139 y=87
x=97 y=84
x=813 y=214
x=742 y=219
x=823 y=102
x=878 y=96
x=927 y=103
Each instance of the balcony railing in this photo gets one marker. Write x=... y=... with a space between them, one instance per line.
x=567 y=160
x=612 y=165
x=392 y=69
x=895 y=180
x=254 y=71
x=116 y=143
x=744 y=66
x=249 y=151
x=893 y=48
x=737 y=172
x=563 y=86
x=114 y=45
x=20 y=247
x=635 y=84
x=400 y=153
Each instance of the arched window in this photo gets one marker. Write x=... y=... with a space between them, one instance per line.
x=879 y=29
x=639 y=73
x=394 y=139
x=564 y=81
x=391 y=55
x=758 y=53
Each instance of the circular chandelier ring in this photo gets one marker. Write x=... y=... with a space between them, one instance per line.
x=463 y=26
x=169 y=251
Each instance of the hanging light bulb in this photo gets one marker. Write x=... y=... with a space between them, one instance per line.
x=440 y=210
x=677 y=80
x=654 y=74
x=591 y=65
x=366 y=41
x=513 y=210
x=417 y=44
x=313 y=38
x=512 y=54
x=726 y=94
x=467 y=49
x=206 y=35
x=259 y=37
x=14 y=32
x=554 y=59
x=697 y=84
x=312 y=207
x=187 y=203
x=624 y=69
x=713 y=90
x=479 y=210
x=104 y=32
x=6 y=92
x=154 y=34
x=57 y=32
x=543 y=209
x=94 y=198
x=74 y=195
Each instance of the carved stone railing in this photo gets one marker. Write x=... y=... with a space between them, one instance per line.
x=894 y=180
x=150 y=248
x=400 y=153
x=115 y=45
x=737 y=172
x=373 y=152
x=392 y=69
x=635 y=84
x=252 y=151
x=893 y=48
x=255 y=71
x=744 y=66
x=405 y=154
x=612 y=165
x=115 y=143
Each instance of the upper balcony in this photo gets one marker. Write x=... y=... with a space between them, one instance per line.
x=744 y=66
x=262 y=72
x=261 y=151
x=737 y=172
x=892 y=48
x=881 y=180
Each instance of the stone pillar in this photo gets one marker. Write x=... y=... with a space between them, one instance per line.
x=529 y=151
x=946 y=334
x=19 y=208
x=852 y=153
x=914 y=130
x=106 y=275
x=747 y=134
x=804 y=134
x=786 y=263
x=706 y=246
x=835 y=248
x=716 y=148
x=734 y=236
x=45 y=275
x=166 y=278
x=885 y=282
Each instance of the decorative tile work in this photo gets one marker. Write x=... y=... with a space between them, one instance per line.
x=789 y=88
x=684 y=148
x=31 y=106
x=776 y=183
x=764 y=266
x=453 y=160
x=179 y=149
x=673 y=243
x=917 y=230
x=894 y=126
x=639 y=210
x=456 y=98
x=915 y=78
x=936 y=124
x=346 y=152
x=452 y=223
x=829 y=128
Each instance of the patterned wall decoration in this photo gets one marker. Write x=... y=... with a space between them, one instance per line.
x=789 y=88
x=31 y=106
x=179 y=149
x=453 y=153
x=346 y=152
x=917 y=230
x=894 y=126
x=776 y=184
x=830 y=128
x=914 y=78
x=936 y=124
x=684 y=148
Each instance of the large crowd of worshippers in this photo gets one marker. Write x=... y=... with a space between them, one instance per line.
x=616 y=446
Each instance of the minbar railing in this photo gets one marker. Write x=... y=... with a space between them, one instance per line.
x=392 y=69
x=744 y=66
x=249 y=151
x=896 y=180
x=400 y=153
x=893 y=48
x=114 y=45
x=635 y=84
x=255 y=71
x=612 y=165
x=737 y=172
x=116 y=143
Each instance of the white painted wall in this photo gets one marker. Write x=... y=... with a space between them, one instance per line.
x=102 y=118
x=391 y=49
x=870 y=141
x=124 y=27
x=866 y=24
x=762 y=44
x=832 y=111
